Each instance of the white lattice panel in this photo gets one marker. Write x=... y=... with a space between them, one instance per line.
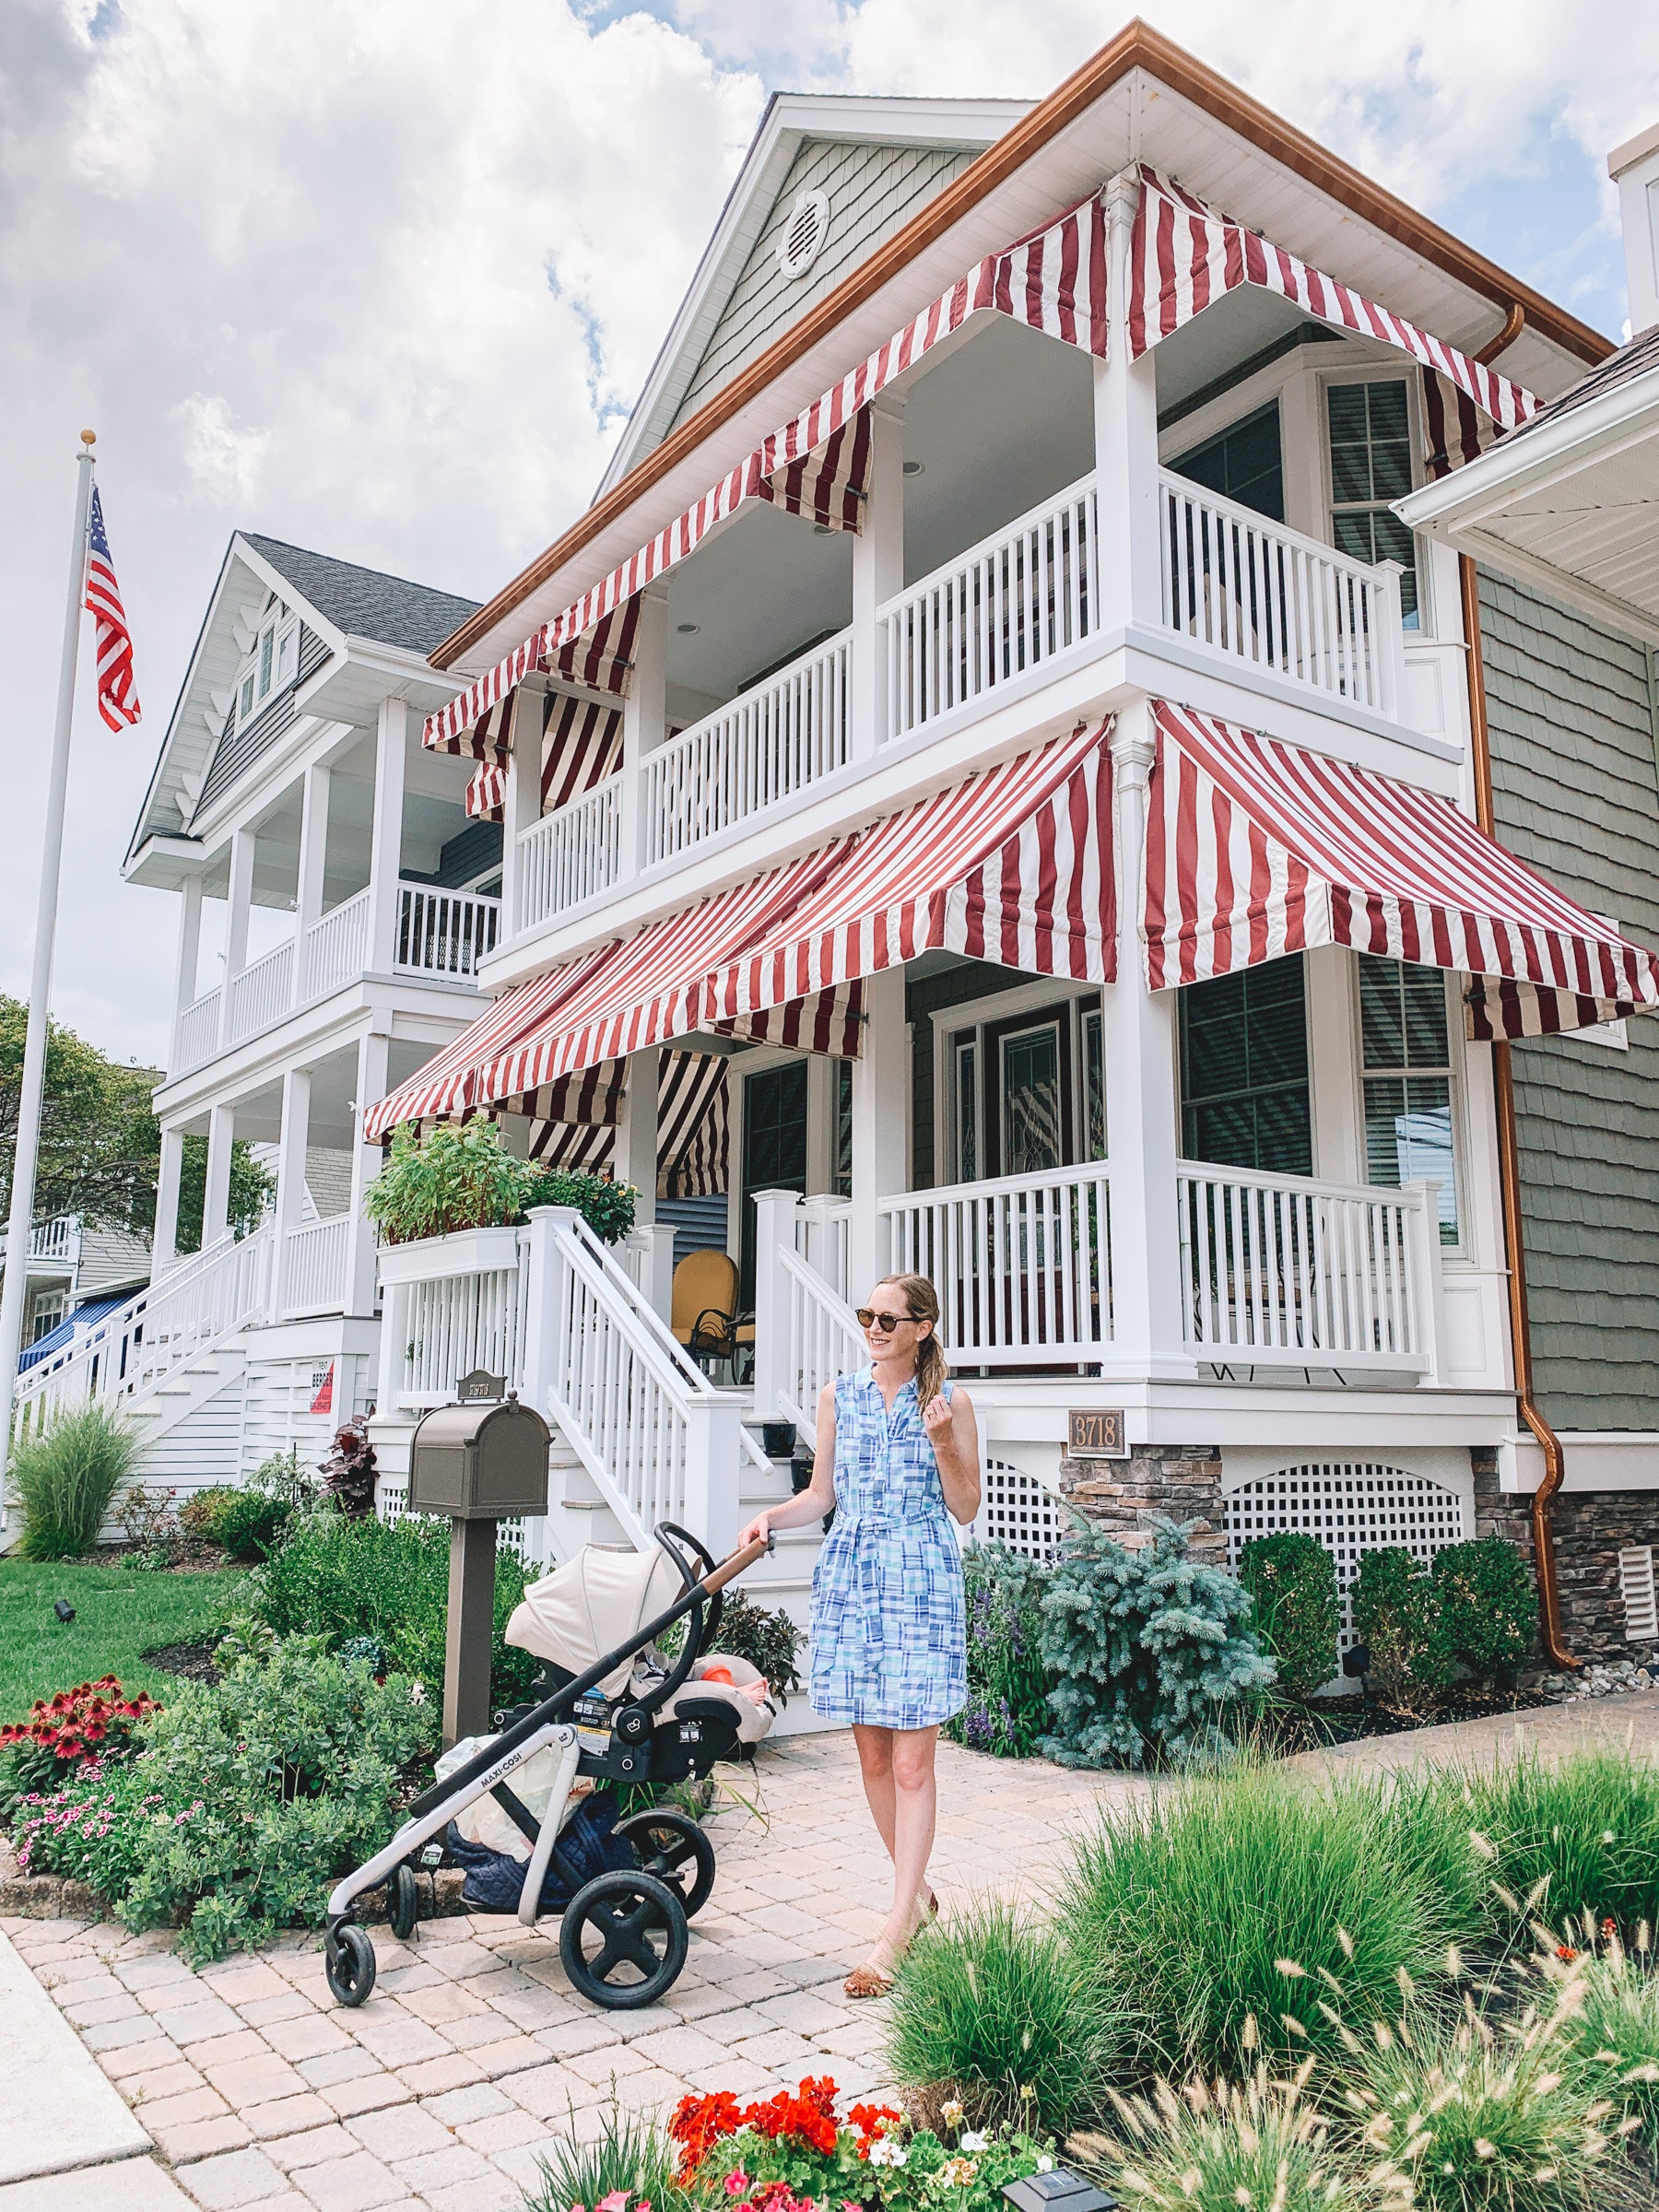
x=392 y=1503
x=1017 y=1509
x=1352 y=1507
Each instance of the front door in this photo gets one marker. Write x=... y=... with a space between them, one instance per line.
x=774 y=1146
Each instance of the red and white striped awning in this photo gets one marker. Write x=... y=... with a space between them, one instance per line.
x=1185 y=254
x=1256 y=848
x=1013 y=867
x=574 y=1124
x=1053 y=280
x=581 y=747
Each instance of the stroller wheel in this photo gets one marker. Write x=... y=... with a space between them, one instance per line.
x=403 y=1903
x=676 y=1850
x=624 y=1940
x=348 y=1959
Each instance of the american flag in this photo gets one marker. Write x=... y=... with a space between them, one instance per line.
x=117 y=693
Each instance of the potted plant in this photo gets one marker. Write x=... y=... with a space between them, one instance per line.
x=447 y=1204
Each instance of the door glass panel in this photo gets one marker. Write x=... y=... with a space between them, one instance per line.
x=1094 y=1085
x=844 y=1128
x=1031 y=1101
x=967 y=1113
x=1242 y=463
x=774 y=1145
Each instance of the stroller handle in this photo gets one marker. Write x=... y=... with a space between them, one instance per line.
x=730 y=1569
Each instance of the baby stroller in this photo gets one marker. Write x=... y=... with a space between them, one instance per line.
x=609 y=1717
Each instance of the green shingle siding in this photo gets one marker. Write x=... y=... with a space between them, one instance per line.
x=1570 y=709
x=874 y=190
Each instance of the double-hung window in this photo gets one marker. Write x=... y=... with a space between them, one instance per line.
x=1244 y=1070
x=1370 y=465
x=1406 y=1050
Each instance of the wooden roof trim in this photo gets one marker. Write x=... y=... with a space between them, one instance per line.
x=1137 y=45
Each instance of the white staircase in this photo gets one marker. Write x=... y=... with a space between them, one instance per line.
x=165 y=1354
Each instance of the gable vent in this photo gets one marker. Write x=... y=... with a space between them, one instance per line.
x=804 y=233
x=1636 y=1583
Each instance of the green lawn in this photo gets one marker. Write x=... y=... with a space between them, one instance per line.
x=118 y=1614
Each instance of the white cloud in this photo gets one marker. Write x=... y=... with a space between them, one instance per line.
x=378 y=281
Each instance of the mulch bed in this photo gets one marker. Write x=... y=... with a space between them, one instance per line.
x=1309 y=1727
x=192 y=1661
x=191 y=1555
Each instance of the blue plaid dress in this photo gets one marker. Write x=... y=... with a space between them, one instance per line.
x=888 y=1615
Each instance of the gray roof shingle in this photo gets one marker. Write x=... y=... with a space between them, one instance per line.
x=1633 y=360
x=365 y=603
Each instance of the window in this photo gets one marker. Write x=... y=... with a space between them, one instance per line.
x=1243 y=463
x=1371 y=465
x=266 y=643
x=1031 y=1101
x=1244 y=1070
x=247 y=695
x=844 y=1128
x=45 y=1312
x=774 y=1145
x=287 y=644
x=967 y=1112
x=1094 y=1085
x=1405 y=1048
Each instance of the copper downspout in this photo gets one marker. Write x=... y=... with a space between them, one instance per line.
x=1509 y=1167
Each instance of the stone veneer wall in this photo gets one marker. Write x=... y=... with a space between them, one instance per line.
x=1176 y=1482
x=1592 y=1528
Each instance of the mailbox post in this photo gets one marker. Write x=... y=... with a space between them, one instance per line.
x=480 y=1462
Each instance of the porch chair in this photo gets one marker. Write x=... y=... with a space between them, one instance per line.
x=704 y=1315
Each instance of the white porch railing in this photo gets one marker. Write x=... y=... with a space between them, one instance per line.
x=198 y=1032
x=449 y=1325
x=1247 y=588
x=822 y=1228
x=130 y=1353
x=818 y=1337
x=1284 y=1271
x=262 y=993
x=1022 y=1264
x=336 y=948
x=443 y=932
x=760 y=748
x=1005 y=606
x=313 y=1267
x=571 y=855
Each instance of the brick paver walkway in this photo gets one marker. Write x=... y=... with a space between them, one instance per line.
x=473 y=2054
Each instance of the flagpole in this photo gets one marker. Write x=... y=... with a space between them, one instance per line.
x=40 y=983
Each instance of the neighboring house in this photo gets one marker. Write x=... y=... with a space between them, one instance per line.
x=1555 y=528
x=73 y=1271
x=994 y=730
x=335 y=901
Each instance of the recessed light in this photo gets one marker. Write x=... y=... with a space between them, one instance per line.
x=822 y=530
x=914 y=469
x=688 y=630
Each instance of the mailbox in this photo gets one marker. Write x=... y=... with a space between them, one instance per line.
x=480 y=1463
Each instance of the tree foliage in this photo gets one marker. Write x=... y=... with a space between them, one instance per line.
x=100 y=1143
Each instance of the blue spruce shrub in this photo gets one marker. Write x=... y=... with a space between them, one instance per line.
x=1146 y=1649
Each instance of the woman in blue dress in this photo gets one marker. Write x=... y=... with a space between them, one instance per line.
x=897 y=1458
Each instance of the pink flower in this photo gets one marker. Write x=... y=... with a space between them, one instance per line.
x=616 y=2202
x=736 y=2182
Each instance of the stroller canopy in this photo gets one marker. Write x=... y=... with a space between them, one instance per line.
x=595 y=1604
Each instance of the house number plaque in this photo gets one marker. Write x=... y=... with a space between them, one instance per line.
x=479 y=1387
x=1095 y=1435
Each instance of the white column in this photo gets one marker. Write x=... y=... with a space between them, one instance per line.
x=880 y=1078
x=645 y=720
x=189 y=958
x=216 y=1198
x=314 y=856
x=820 y=1125
x=371 y=1083
x=636 y=1152
x=385 y=849
x=164 y=1241
x=290 y=1175
x=239 y=900
x=878 y=573
x=1141 y=1102
x=1125 y=445
x=521 y=807
x=1332 y=1065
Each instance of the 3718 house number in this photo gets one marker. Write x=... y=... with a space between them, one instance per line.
x=1095 y=1435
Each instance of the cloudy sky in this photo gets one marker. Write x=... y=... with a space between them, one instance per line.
x=384 y=280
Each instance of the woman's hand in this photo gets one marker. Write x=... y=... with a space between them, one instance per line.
x=757 y=1531
x=939 y=1421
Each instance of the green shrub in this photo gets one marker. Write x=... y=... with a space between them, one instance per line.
x=272 y=1783
x=64 y=1477
x=1292 y=1579
x=458 y=1178
x=768 y=1640
x=1008 y=1709
x=1578 y=1836
x=608 y=1208
x=988 y=2006
x=1488 y=1608
x=247 y=1519
x=633 y=2153
x=1146 y=1650
x=1397 y=1615
x=341 y=1578
x=1203 y=1920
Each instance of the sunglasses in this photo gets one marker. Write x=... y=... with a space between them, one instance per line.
x=869 y=1318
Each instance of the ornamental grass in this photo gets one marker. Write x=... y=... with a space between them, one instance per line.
x=64 y=1477
x=1577 y=1838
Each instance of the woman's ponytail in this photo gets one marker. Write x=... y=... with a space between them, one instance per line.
x=922 y=1304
